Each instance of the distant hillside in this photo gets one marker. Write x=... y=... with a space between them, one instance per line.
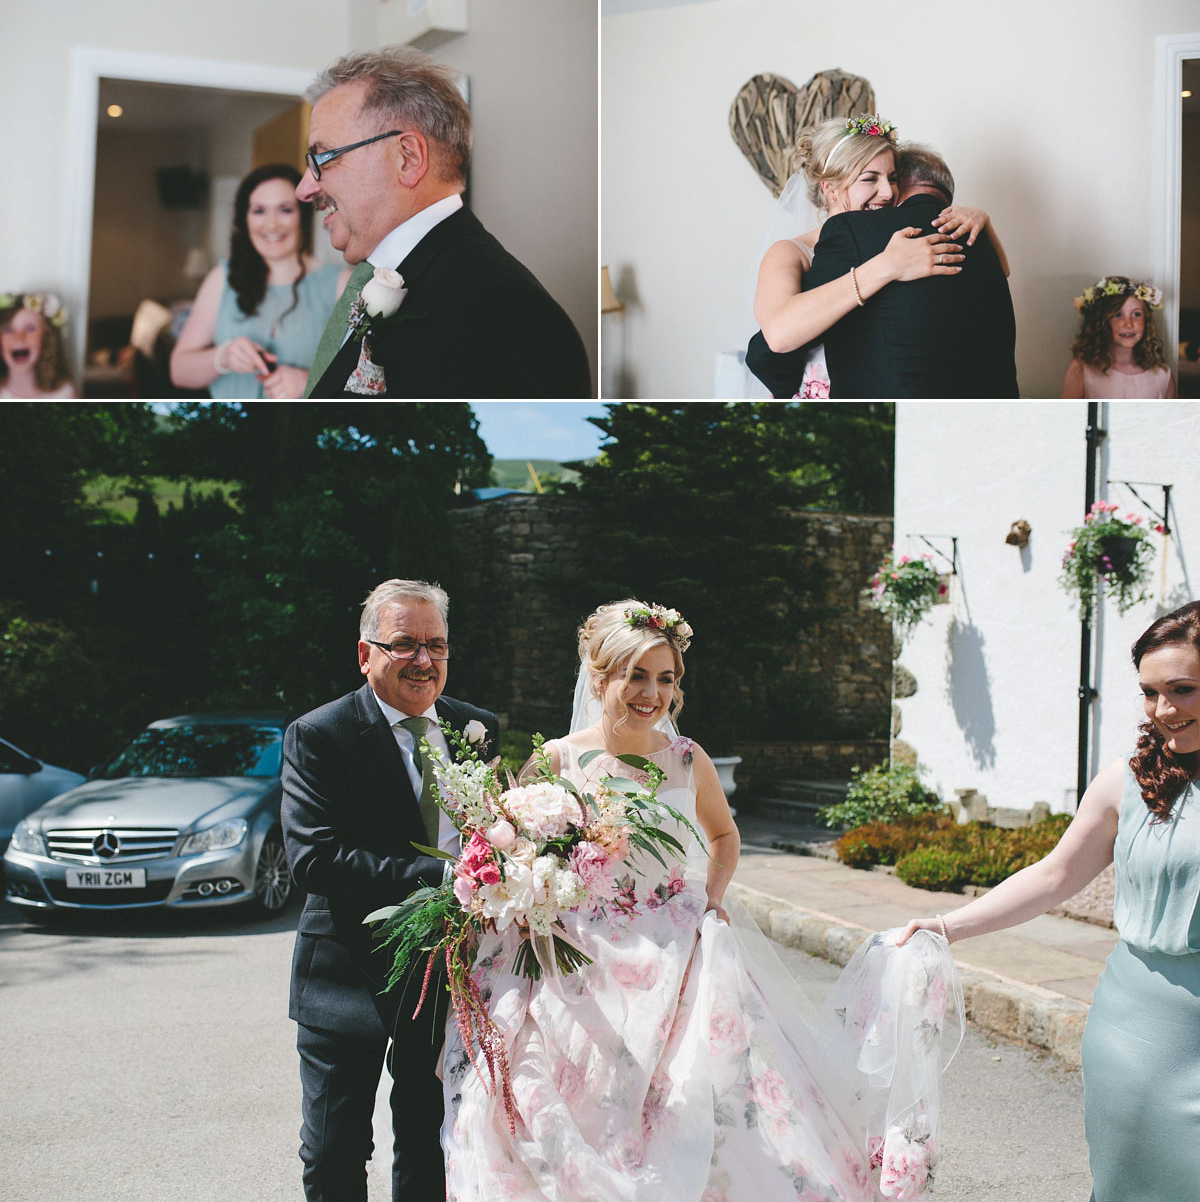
x=514 y=473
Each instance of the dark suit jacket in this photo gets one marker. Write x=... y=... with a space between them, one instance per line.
x=475 y=324
x=942 y=336
x=350 y=819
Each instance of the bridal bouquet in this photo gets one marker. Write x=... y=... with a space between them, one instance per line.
x=530 y=853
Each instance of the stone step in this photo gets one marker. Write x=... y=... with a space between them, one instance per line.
x=787 y=809
x=818 y=792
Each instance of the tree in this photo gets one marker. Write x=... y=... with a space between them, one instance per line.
x=334 y=498
x=251 y=602
x=688 y=506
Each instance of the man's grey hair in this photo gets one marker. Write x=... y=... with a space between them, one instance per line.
x=917 y=164
x=409 y=90
x=400 y=592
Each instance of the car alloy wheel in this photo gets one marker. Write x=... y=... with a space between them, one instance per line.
x=272 y=877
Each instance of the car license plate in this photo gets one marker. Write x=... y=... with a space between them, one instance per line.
x=106 y=878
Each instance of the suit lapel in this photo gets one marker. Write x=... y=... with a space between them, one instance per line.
x=461 y=223
x=381 y=748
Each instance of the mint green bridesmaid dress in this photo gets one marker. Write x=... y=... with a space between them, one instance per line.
x=1141 y=1048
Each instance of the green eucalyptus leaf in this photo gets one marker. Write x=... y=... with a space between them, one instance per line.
x=436 y=852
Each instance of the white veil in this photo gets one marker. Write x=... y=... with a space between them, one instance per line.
x=792 y=216
x=585 y=711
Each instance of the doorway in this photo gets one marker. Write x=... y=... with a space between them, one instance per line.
x=1177 y=202
x=160 y=88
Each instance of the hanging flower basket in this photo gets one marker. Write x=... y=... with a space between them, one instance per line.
x=904 y=590
x=1110 y=548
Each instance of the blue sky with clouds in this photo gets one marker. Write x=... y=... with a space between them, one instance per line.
x=557 y=430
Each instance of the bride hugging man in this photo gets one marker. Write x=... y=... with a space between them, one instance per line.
x=878 y=301
x=666 y=1056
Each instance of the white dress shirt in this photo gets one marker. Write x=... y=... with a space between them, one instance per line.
x=399 y=244
x=448 y=837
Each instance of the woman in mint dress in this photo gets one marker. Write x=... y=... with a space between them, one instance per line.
x=1141 y=1048
x=256 y=321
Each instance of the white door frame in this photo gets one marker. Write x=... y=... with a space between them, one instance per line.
x=88 y=66
x=1170 y=51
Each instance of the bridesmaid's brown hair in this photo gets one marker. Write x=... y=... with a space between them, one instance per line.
x=1162 y=775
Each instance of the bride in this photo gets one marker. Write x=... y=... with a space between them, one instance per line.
x=846 y=166
x=674 y=1065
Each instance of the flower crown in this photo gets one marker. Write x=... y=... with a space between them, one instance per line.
x=872 y=125
x=1145 y=292
x=656 y=617
x=45 y=303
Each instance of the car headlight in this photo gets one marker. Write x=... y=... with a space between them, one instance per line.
x=216 y=838
x=27 y=838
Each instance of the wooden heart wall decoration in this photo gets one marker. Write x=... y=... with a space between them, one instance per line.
x=769 y=112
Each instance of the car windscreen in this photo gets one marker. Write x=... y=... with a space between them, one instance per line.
x=202 y=750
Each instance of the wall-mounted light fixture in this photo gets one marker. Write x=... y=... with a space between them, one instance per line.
x=1018 y=534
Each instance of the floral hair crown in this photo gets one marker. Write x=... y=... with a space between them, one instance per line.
x=45 y=303
x=1145 y=292
x=656 y=617
x=872 y=125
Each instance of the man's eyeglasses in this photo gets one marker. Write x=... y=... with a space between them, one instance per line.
x=316 y=160
x=411 y=648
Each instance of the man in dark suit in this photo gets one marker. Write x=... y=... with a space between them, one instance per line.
x=356 y=797
x=389 y=146
x=941 y=336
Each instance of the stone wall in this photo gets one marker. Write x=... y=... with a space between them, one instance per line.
x=764 y=763
x=515 y=645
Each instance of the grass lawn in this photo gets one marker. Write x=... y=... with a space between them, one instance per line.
x=108 y=492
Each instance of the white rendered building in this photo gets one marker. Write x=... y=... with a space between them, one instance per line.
x=998 y=668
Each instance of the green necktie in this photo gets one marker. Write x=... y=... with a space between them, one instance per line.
x=334 y=333
x=418 y=727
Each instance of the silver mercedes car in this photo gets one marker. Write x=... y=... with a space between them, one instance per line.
x=185 y=816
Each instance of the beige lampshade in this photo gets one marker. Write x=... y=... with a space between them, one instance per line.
x=608 y=298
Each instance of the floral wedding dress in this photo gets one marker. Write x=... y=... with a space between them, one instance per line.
x=675 y=1067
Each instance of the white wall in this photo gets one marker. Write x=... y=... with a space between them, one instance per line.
x=532 y=66
x=998 y=89
x=997 y=669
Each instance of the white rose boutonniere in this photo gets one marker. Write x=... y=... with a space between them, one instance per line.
x=382 y=294
x=378 y=301
x=474 y=731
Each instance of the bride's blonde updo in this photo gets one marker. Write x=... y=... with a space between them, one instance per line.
x=617 y=635
x=827 y=153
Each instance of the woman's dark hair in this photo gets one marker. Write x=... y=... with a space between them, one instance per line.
x=1093 y=343
x=1162 y=775
x=247 y=268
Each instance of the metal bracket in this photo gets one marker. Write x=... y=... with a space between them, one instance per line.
x=1165 y=516
x=952 y=560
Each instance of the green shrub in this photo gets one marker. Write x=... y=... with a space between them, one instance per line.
x=973 y=854
x=941 y=869
x=516 y=746
x=885 y=842
x=881 y=794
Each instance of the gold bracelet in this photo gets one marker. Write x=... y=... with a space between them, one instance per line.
x=857 y=294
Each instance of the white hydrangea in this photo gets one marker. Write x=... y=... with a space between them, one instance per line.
x=543 y=811
x=569 y=889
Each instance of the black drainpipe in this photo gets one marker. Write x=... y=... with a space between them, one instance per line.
x=1095 y=436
